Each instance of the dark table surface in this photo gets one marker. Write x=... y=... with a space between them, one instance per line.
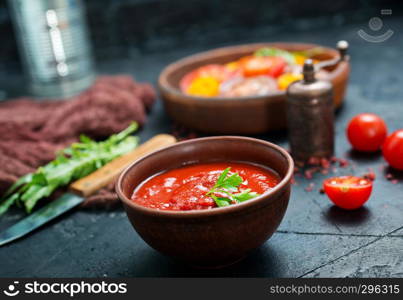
x=315 y=239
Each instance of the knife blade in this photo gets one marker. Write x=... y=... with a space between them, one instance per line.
x=47 y=213
x=82 y=188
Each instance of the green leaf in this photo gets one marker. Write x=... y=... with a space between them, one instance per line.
x=232 y=182
x=72 y=163
x=267 y=51
x=23 y=180
x=85 y=139
x=34 y=194
x=310 y=52
x=228 y=185
x=245 y=195
x=222 y=176
x=4 y=206
x=221 y=202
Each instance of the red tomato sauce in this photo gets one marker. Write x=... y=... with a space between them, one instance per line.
x=185 y=188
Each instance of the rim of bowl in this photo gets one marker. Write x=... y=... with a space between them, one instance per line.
x=217 y=210
x=163 y=83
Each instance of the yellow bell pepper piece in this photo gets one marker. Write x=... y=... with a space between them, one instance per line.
x=286 y=79
x=232 y=66
x=204 y=86
x=299 y=59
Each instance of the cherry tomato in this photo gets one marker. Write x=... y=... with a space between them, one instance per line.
x=393 y=149
x=218 y=72
x=262 y=65
x=366 y=132
x=348 y=192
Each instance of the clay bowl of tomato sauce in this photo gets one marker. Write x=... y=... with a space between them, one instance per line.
x=202 y=233
x=237 y=115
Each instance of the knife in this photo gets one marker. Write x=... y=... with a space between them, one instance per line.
x=82 y=188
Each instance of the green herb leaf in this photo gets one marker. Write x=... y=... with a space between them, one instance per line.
x=221 y=201
x=245 y=195
x=72 y=163
x=221 y=179
x=228 y=185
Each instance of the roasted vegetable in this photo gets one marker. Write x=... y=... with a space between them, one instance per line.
x=286 y=79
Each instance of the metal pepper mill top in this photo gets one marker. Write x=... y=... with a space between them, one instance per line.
x=310 y=116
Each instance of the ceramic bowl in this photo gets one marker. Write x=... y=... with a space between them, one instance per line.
x=218 y=236
x=237 y=115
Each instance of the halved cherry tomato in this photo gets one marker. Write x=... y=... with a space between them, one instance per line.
x=348 y=192
x=393 y=149
x=218 y=72
x=367 y=132
x=262 y=65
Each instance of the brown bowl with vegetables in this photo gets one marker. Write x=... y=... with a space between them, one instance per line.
x=208 y=201
x=241 y=89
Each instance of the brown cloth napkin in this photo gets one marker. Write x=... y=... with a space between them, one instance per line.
x=32 y=131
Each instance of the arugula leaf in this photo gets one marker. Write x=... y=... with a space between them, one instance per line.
x=72 y=163
x=227 y=185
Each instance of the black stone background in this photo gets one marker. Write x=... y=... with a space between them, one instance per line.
x=315 y=239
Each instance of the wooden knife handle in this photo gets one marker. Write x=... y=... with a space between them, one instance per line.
x=88 y=185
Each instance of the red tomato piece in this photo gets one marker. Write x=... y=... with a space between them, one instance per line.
x=393 y=149
x=186 y=80
x=367 y=132
x=219 y=72
x=348 y=192
x=262 y=65
x=279 y=65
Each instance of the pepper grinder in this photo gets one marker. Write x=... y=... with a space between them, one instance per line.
x=310 y=116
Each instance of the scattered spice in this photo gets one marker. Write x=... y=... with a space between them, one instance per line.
x=310 y=187
x=321 y=165
x=371 y=176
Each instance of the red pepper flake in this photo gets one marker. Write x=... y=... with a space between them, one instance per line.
x=308 y=174
x=321 y=165
x=389 y=176
x=314 y=161
x=382 y=168
x=394 y=181
x=371 y=176
x=325 y=163
x=324 y=171
x=343 y=163
x=310 y=187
